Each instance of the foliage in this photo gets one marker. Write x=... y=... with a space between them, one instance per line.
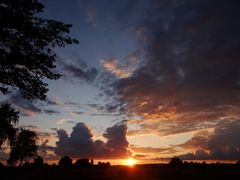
x=38 y=162
x=175 y=162
x=8 y=118
x=65 y=162
x=24 y=146
x=26 y=43
x=83 y=162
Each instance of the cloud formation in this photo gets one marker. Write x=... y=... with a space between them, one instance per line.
x=119 y=70
x=28 y=108
x=81 y=144
x=222 y=144
x=189 y=78
x=77 y=68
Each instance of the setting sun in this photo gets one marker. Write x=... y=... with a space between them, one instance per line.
x=131 y=162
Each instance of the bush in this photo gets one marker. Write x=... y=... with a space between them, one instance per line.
x=65 y=162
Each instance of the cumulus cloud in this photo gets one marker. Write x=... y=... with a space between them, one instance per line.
x=81 y=144
x=223 y=143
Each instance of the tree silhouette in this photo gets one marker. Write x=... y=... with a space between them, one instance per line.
x=65 y=162
x=26 y=43
x=24 y=146
x=83 y=162
x=38 y=162
x=176 y=162
x=8 y=118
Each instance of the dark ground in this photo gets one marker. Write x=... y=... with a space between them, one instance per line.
x=164 y=172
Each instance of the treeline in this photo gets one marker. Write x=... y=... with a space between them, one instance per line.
x=64 y=162
x=177 y=162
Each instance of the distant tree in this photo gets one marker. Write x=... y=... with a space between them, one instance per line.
x=103 y=164
x=8 y=118
x=24 y=146
x=65 y=162
x=38 y=162
x=83 y=162
x=26 y=43
x=176 y=162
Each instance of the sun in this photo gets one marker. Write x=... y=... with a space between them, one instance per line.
x=131 y=162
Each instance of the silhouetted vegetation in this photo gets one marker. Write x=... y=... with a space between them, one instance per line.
x=24 y=146
x=176 y=162
x=38 y=162
x=83 y=163
x=104 y=164
x=9 y=117
x=65 y=162
x=26 y=58
x=26 y=47
x=186 y=171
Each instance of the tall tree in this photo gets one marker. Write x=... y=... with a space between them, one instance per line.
x=24 y=146
x=8 y=118
x=26 y=43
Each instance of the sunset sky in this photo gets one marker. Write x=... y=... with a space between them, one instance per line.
x=150 y=79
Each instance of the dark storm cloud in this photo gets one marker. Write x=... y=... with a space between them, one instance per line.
x=189 y=78
x=81 y=144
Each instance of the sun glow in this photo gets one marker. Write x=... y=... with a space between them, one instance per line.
x=131 y=162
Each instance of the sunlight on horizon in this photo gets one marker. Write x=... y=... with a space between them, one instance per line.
x=130 y=162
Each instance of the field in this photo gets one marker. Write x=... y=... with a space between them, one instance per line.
x=227 y=172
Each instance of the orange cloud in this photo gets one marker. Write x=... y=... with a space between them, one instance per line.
x=113 y=66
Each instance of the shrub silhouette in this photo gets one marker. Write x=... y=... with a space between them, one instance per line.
x=83 y=162
x=175 y=162
x=38 y=162
x=65 y=162
x=103 y=164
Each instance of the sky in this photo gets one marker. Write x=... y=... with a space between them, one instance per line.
x=149 y=80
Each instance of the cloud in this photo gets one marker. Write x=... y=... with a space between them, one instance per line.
x=88 y=75
x=62 y=121
x=31 y=127
x=113 y=66
x=81 y=144
x=50 y=111
x=189 y=77
x=222 y=144
x=78 y=112
x=26 y=107
x=76 y=68
x=3 y=155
